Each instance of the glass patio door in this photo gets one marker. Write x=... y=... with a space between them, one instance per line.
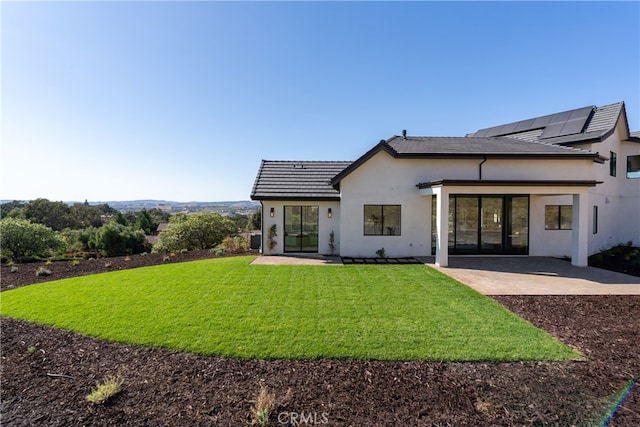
x=301 y=229
x=517 y=228
x=487 y=224
x=491 y=224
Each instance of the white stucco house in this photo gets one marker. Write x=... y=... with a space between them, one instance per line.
x=565 y=184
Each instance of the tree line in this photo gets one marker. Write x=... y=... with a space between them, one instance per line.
x=43 y=228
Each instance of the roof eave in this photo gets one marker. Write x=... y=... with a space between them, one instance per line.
x=508 y=183
x=298 y=198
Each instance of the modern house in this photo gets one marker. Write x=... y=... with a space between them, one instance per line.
x=565 y=184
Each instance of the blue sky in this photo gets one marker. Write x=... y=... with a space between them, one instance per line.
x=180 y=101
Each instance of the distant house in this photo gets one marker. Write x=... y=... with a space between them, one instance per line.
x=161 y=227
x=154 y=238
x=564 y=184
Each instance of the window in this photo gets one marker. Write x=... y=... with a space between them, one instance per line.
x=633 y=166
x=595 y=220
x=558 y=217
x=382 y=220
x=613 y=161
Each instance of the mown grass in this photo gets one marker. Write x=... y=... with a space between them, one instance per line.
x=230 y=308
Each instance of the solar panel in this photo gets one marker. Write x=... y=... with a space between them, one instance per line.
x=559 y=124
x=552 y=130
x=573 y=127
x=567 y=123
x=541 y=122
x=524 y=125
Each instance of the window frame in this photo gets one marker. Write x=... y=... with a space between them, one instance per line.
x=633 y=174
x=613 y=163
x=558 y=215
x=385 y=229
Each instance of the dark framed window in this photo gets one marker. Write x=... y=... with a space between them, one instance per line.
x=613 y=162
x=382 y=220
x=633 y=166
x=558 y=217
x=595 y=220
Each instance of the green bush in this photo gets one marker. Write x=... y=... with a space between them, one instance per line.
x=194 y=232
x=114 y=239
x=21 y=238
x=41 y=271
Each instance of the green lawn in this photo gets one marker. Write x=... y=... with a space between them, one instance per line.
x=229 y=308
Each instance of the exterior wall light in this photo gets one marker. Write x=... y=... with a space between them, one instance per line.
x=272 y=212
x=330 y=213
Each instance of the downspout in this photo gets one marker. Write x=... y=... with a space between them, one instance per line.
x=484 y=159
x=261 y=227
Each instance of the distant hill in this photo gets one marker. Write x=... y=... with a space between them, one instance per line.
x=225 y=207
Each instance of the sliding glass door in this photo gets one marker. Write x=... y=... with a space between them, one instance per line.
x=301 y=228
x=487 y=224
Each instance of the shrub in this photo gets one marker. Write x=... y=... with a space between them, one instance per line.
x=105 y=390
x=217 y=251
x=75 y=262
x=381 y=253
x=262 y=406
x=271 y=235
x=41 y=271
x=20 y=239
x=14 y=269
x=234 y=245
x=202 y=230
x=115 y=239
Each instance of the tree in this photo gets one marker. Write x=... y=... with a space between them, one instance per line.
x=144 y=222
x=255 y=222
x=84 y=215
x=192 y=232
x=119 y=218
x=6 y=208
x=240 y=221
x=114 y=239
x=21 y=238
x=56 y=215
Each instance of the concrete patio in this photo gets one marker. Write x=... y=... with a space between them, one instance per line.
x=508 y=275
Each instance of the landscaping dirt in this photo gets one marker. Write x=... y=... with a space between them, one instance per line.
x=46 y=374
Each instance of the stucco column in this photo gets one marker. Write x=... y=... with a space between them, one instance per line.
x=580 y=233
x=442 y=226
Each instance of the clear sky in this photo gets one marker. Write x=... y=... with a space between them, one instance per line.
x=181 y=100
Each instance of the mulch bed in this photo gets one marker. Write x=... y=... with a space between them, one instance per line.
x=169 y=388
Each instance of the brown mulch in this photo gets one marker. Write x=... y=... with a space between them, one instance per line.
x=168 y=388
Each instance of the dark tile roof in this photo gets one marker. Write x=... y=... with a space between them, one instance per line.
x=426 y=145
x=467 y=147
x=297 y=180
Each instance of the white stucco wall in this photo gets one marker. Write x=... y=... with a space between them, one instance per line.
x=617 y=198
x=542 y=242
x=386 y=180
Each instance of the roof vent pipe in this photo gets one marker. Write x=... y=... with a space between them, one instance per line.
x=404 y=134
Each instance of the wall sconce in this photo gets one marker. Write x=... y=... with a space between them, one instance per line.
x=330 y=213
x=272 y=212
